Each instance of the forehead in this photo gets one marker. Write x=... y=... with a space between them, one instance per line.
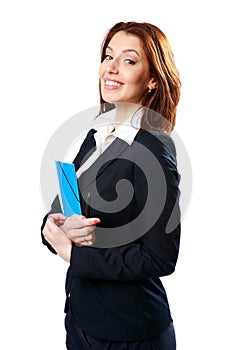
x=123 y=41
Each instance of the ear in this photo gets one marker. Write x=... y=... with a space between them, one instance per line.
x=152 y=84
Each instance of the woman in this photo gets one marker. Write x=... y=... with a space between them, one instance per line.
x=115 y=297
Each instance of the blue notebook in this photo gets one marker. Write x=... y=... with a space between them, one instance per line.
x=68 y=188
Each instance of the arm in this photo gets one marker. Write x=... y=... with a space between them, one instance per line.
x=56 y=205
x=56 y=237
x=55 y=208
x=155 y=253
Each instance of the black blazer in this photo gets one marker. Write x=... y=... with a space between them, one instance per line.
x=114 y=286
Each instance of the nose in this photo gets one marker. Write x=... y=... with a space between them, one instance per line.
x=112 y=67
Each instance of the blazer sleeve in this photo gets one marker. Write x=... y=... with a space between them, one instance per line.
x=155 y=253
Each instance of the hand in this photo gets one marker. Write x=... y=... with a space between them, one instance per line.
x=80 y=229
x=57 y=237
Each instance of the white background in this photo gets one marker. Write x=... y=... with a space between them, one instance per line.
x=49 y=72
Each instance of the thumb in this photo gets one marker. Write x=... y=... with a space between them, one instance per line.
x=57 y=217
x=50 y=218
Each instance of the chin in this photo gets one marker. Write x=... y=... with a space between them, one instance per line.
x=112 y=97
x=111 y=100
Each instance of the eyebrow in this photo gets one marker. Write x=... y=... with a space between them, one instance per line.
x=126 y=50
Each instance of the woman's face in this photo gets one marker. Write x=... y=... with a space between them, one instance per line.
x=124 y=72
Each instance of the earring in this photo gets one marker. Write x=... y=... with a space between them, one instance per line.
x=149 y=90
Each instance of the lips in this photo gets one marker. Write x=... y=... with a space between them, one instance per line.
x=112 y=84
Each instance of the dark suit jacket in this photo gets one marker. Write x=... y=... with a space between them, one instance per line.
x=114 y=286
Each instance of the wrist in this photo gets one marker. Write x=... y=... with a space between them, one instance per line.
x=65 y=254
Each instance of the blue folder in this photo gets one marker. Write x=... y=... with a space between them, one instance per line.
x=68 y=188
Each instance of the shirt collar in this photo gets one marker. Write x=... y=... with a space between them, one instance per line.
x=125 y=131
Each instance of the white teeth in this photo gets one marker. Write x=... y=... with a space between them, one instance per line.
x=112 y=83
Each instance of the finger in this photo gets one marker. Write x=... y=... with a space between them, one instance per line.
x=58 y=222
x=85 y=240
x=74 y=221
x=57 y=217
x=90 y=221
x=80 y=232
x=89 y=238
x=47 y=233
x=85 y=244
x=80 y=223
x=76 y=216
x=52 y=226
x=54 y=235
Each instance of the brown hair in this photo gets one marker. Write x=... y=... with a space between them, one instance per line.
x=165 y=97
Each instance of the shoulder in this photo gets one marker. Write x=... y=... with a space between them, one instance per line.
x=158 y=142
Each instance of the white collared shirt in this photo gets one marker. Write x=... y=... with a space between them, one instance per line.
x=106 y=134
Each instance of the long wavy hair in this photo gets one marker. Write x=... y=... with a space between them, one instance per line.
x=161 y=102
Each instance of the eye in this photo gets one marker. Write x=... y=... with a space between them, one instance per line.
x=129 y=61
x=107 y=58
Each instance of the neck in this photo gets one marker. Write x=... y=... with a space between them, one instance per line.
x=124 y=111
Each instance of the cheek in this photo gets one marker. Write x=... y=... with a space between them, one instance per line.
x=136 y=77
x=101 y=70
x=137 y=85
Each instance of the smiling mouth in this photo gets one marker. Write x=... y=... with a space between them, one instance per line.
x=111 y=84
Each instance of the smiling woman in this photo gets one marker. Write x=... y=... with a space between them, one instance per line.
x=115 y=298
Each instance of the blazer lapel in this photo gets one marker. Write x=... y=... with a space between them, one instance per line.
x=87 y=148
x=98 y=168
